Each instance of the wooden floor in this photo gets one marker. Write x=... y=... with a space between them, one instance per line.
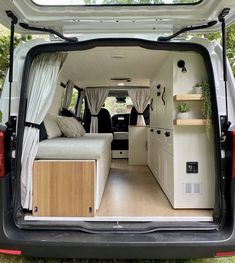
x=133 y=191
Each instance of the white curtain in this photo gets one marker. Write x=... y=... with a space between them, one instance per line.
x=95 y=99
x=42 y=84
x=140 y=99
x=68 y=94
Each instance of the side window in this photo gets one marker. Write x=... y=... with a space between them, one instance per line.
x=73 y=102
x=81 y=109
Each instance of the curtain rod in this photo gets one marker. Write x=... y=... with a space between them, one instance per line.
x=64 y=86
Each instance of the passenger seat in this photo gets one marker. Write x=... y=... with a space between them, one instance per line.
x=104 y=121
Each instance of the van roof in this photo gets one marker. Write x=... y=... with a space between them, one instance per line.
x=109 y=16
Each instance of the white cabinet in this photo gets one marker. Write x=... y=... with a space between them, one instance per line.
x=174 y=149
x=137 y=145
x=151 y=149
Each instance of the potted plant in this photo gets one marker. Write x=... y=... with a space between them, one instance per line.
x=183 y=110
x=197 y=88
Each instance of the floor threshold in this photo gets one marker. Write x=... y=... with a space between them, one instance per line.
x=122 y=219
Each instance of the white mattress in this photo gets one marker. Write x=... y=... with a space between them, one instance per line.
x=88 y=147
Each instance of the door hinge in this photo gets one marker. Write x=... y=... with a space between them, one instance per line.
x=50 y=31
x=186 y=29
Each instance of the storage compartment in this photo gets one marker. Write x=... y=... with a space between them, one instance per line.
x=64 y=188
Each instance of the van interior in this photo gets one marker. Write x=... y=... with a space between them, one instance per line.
x=141 y=148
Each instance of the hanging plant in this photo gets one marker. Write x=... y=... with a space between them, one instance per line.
x=206 y=106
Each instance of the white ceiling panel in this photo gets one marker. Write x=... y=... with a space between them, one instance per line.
x=97 y=66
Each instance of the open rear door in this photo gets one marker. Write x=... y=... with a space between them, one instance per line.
x=115 y=16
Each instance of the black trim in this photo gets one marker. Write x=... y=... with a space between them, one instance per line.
x=48 y=30
x=63 y=85
x=186 y=29
x=14 y=21
x=221 y=18
x=32 y=125
x=86 y=45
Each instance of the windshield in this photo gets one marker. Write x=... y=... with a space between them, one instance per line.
x=114 y=2
x=118 y=107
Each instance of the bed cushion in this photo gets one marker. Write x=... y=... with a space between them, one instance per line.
x=51 y=126
x=87 y=147
x=70 y=127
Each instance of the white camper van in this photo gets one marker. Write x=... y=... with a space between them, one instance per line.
x=117 y=135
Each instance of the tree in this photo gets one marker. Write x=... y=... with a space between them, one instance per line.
x=230 y=43
x=4 y=51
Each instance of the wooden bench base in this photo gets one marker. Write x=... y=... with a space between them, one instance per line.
x=63 y=188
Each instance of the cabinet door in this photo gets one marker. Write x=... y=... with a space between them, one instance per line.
x=169 y=176
x=63 y=188
x=151 y=149
x=137 y=145
x=168 y=141
x=158 y=156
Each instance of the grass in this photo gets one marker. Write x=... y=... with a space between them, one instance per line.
x=19 y=259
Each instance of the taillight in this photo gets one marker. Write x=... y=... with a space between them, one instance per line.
x=225 y=254
x=2 y=154
x=11 y=252
x=233 y=153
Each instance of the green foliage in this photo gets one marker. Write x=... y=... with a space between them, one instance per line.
x=199 y=84
x=206 y=106
x=230 y=43
x=4 y=52
x=183 y=107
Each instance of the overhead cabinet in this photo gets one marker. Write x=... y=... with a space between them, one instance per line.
x=180 y=154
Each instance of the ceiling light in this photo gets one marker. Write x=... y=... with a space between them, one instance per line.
x=117 y=57
x=121 y=84
x=121 y=79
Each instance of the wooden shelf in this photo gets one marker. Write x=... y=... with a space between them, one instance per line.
x=185 y=97
x=189 y=122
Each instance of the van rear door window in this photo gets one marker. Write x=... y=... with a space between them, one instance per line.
x=114 y=2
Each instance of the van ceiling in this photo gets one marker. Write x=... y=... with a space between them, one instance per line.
x=96 y=67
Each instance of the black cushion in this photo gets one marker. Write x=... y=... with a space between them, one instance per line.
x=42 y=132
x=67 y=113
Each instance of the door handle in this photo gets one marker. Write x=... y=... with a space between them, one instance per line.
x=167 y=134
x=163 y=93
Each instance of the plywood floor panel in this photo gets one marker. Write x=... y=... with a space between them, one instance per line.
x=133 y=191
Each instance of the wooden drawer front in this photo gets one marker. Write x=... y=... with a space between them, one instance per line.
x=63 y=188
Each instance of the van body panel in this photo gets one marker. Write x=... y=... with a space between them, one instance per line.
x=78 y=19
x=143 y=23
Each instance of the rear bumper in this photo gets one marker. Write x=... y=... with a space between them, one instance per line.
x=145 y=246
